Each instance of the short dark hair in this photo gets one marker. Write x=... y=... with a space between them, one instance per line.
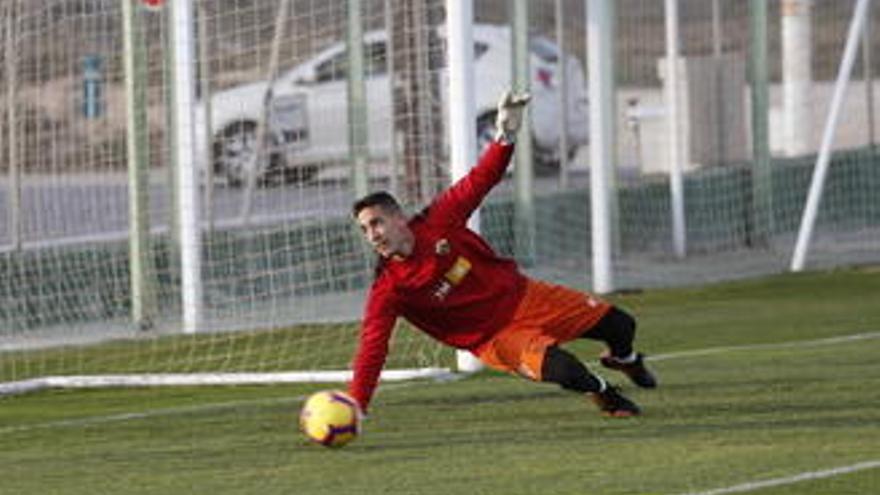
x=382 y=199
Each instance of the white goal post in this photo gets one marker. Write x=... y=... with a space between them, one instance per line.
x=462 y=118
x=820 y=171
x=183 y=59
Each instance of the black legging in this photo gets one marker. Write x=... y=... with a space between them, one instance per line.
x=567 y=371
x=616 y=329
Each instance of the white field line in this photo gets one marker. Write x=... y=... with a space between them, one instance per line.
x=95 y=420
x=173 y=411
x=788 y=480
x=797 y=478
x=755 y=347
x=154 y=413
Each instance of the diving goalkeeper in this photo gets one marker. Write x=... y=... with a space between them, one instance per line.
x=447 y=281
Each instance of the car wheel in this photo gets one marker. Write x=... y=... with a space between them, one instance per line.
x=234 y=150
x=546 y=160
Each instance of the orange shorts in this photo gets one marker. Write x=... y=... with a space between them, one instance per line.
x=548 y=315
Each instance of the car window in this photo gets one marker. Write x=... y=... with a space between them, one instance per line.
x=479 y=49
x=332 y=69
x=376 y=58
x=336 y=67
x=439 y=60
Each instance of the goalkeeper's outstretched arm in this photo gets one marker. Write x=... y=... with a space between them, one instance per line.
x=462 y=198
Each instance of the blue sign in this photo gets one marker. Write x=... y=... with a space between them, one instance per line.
x=93 y=87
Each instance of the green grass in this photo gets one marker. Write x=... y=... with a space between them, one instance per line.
x=774 y=399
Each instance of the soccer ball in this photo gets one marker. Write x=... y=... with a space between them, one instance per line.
x=330 y=418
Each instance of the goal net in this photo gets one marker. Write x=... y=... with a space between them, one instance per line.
x=303 y=106
x=91 y=267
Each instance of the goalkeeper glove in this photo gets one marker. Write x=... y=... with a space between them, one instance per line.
x=509 y=115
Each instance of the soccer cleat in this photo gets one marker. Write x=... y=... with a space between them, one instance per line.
x=612 y=404
x=636 y=370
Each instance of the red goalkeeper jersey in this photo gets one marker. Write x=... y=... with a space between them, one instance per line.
x=453 y=286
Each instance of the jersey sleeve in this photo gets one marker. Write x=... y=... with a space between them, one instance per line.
x=379 y=320
x=455 y=205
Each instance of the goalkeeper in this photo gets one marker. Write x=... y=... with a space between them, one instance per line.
x=447 y=281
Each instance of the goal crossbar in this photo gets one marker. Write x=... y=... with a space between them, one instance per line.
x=209 y=379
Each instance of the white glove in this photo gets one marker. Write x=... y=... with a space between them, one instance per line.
x=509 y=115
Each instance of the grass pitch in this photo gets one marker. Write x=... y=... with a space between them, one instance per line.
x=766 y=385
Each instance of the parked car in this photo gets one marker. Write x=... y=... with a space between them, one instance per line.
x=308 y=118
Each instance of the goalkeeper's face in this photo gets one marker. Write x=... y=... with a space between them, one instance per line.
x=386 y=231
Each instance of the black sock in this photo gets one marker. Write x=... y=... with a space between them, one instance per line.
x=617 y=329
x=568 y=372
